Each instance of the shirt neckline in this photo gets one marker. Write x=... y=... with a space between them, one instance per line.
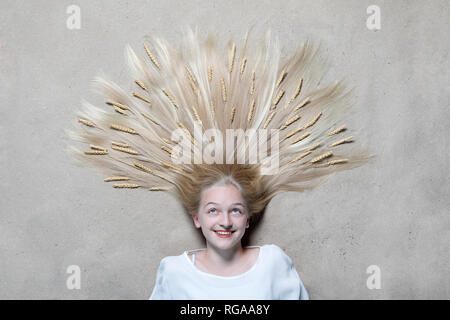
x=224 y=277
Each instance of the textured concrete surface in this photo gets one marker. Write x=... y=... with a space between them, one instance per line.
x=393 y=213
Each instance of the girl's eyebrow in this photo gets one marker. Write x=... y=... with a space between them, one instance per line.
x=209 y=203
x=236 y=203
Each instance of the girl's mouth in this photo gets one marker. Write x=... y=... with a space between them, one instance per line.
x=223 y=233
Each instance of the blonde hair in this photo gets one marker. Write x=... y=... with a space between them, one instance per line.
x=130 y=139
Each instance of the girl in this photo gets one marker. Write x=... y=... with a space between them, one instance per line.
x=224 y=269
x=204 y=87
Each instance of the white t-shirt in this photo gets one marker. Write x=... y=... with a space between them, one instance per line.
x=272 y=277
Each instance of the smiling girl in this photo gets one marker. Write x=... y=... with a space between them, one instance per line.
x=242 y=87
x=225 y=269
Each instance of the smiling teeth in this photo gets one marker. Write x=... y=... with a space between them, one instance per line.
x=223 y=232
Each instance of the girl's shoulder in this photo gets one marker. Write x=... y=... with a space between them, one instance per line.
x=274 y=249
x=170 y=263
x=276 y=256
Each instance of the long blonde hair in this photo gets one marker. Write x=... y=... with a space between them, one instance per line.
x=239 y=87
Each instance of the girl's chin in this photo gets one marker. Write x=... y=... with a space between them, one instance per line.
x=225 y=243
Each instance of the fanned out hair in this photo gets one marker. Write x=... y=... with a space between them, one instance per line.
x=237 y=87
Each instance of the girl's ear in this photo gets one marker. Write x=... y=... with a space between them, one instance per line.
x=195 y=218
x=248 y=223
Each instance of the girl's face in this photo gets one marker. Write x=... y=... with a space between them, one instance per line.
x=223 y=217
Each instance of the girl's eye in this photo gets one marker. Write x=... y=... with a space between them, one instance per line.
x=235 y=210
x=210 y=211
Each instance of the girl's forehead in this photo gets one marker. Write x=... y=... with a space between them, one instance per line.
x=222 y=195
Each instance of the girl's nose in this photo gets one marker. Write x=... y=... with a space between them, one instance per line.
x=225 y=221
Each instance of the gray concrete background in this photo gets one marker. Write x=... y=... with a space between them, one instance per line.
x=393 y=213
